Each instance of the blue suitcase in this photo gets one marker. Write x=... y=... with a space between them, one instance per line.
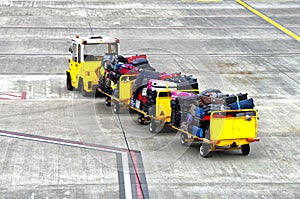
x=244 y=104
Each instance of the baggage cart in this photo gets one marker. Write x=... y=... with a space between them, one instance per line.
x=120 y=97
x=227 y=130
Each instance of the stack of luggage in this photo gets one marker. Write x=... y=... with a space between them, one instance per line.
x=115 y=67
x=194 y=115
x=149 y=83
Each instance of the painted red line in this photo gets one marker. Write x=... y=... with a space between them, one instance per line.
x=12 y=95
x=63 y=141
x=2 y=98
x=23 y=95
x=137 y=176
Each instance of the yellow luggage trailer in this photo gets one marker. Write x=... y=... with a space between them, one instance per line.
x=122 y=92
x=228 y=130
x=160 y=113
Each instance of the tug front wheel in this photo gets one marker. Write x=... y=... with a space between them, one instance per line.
x=81 y=88
x=68 y=82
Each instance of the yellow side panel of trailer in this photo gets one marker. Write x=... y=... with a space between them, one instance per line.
x=163 y=107
x=237 y=127
x=126 y=83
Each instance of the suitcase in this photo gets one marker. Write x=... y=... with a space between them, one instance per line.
x=135 y=57
x=157 y=85
x=166 y=77
x=244 y=104
x=193 y=109
x=245 y=113
x=233 y=98
x=214 y=107
x=211 y=92
x=176 y=94
x=199 y=112
x=127 y=68
x=196 y=121
x=174 y=105
x=143 y=78
x=122 y=59
x=197 y=131
x=177 y=119
x=184 y=126
x=205 y=100
x=139 y=61
x=187 y=85
x=189 y=118
x=145 y=67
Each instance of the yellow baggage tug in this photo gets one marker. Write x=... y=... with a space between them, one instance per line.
x=85 y=61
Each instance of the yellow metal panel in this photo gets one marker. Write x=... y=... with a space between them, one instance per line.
x=238 y=142
x=233 y=127
x=89 y=72
x=163 y=106
x=126 y=83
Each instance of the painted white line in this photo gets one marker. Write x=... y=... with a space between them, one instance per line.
x=126 y=173
x=125 y=161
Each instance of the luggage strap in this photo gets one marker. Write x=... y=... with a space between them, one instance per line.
x=238 y=102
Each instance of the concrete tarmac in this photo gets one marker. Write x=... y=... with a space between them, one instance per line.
x=220 y=42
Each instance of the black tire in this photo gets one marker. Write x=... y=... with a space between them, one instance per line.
x=183 y=136
x=108 y=101
x=141 y=119
x=68 y=82
x=205 y=147
x=81 y=88
x=152 y=126
x=116 y=108
x=245 y=149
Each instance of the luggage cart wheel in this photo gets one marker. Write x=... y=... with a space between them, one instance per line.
x=141 y=118
x=245 y=149
x=205 y=147
x=107 y=101
x=116 y=108
x=183 y=136
x=152 y=126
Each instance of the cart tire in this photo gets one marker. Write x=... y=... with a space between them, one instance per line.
x=141 y=118
x=205 y=147
x=245 y=149
x=183 y=136
x=204 y=150
x=116 y=108
x=107 y=101
x=68 y=82
x=152 y=126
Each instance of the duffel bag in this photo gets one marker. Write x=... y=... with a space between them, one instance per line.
x=244 y=104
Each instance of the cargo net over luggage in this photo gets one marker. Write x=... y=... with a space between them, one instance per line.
x=192 y=112
x=149 y=85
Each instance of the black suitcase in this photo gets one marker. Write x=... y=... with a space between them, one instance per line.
x=233 y=98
